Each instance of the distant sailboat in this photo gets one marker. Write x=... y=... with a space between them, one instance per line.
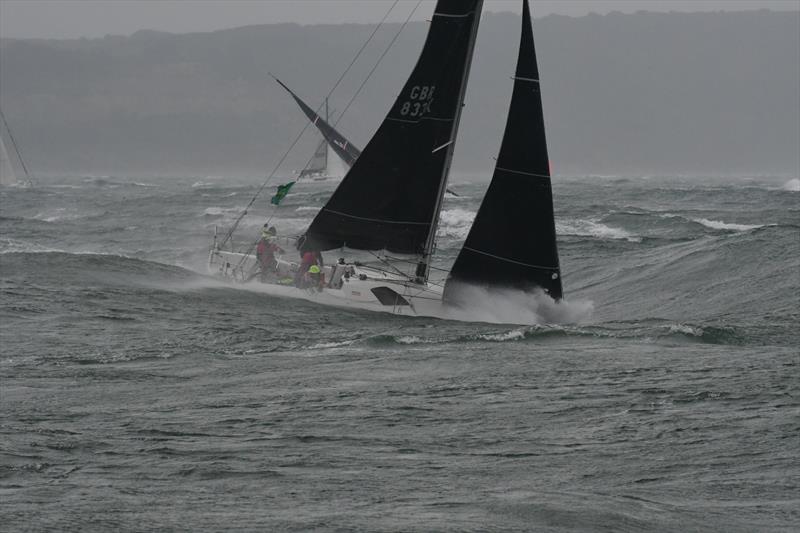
x=8 y=175
x=391 y=198
x=346 y=150
x=321 y=167
x=343 y=148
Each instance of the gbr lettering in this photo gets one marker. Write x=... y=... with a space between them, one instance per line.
x=421 y=97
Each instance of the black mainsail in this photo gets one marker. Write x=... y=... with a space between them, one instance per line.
x=341 y=146
x=512 y=242
x=391 y=196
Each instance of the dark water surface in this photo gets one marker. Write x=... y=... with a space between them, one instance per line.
x=139 y=394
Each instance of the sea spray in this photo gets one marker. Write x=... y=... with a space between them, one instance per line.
x=510 y=306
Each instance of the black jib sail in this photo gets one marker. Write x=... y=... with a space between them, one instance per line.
x=390 y=198
x=512 y=242
x=341 y=146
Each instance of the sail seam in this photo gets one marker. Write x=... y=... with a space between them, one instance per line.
x=420 y=119
x=374 y=219
x=453 y=16
x=522 y=172
x=509 y=260
x=524 y=79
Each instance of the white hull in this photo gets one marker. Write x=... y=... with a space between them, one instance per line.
x=351 y=286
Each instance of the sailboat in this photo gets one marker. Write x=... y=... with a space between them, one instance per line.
x=341 y=146
x=390 y=200
x=8 y=176
x=321 y=167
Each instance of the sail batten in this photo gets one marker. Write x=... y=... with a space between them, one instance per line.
x=512 y=241
x=390 y=198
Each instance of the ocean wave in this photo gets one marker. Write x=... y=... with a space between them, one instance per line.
x=593 y=228
x=514 y=334
x=325 y=345
x=659 y=332
x=58 y=214
x=792 y=185
x=720 y=225
x=13 y=246
x=455 y=223
x=222 y=211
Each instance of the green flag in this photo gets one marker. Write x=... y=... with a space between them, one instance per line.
x=283 y=190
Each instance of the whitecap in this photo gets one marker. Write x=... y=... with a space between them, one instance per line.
x=592 y=228
x=222 y=211
x=324 y=345
x=514 y=334
x=58 y=214
x=792 y=185
x=720 y=225
x=686 y=330
x=455 y=223
x=409 y=339
x=11 y=246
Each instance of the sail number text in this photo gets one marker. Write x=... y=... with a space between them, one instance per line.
x=421 y=98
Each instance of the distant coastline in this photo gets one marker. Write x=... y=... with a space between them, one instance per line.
x=624 y=94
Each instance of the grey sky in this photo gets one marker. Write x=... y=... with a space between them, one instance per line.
x=96 y=18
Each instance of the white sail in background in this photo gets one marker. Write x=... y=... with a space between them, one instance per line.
x=7 y=175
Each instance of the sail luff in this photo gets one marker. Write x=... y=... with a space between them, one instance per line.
x=424 y=267
x=512 y=241
x=327 y=144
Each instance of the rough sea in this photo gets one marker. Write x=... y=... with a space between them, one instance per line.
x=139 y=394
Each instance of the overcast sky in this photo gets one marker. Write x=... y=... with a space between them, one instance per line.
x=96 y=18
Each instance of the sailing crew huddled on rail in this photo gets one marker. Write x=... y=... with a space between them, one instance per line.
x=265 y=253
x=309 y=260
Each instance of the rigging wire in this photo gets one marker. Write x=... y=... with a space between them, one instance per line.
x=368 y=76
x=378 y=62
x=358 y=91
x=297 y=139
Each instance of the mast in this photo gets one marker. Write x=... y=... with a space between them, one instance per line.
x=327 y=148
x=424 y=266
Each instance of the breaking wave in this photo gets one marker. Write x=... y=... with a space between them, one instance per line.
x=719 y=225
x=592 y=228
x=792 y=185
x=455 y=223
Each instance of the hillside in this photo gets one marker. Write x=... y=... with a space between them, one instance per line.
x=623 y=94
